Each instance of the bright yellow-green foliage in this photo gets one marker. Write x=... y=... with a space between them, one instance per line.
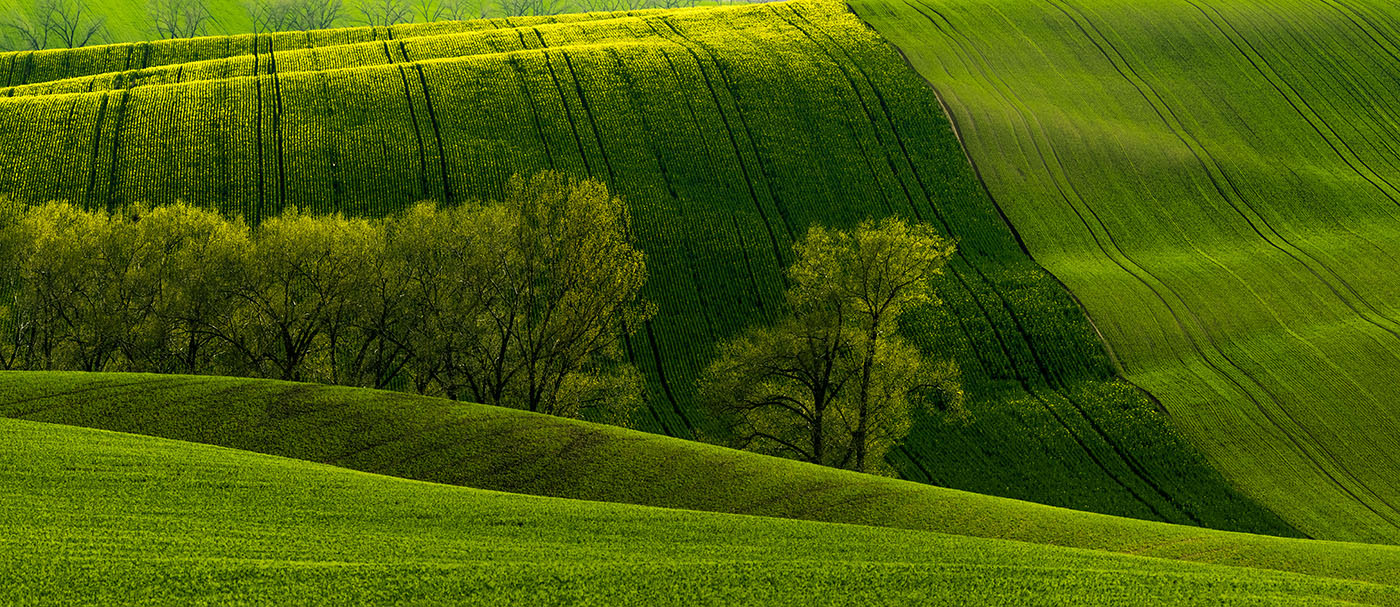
x=521 y=452
x=113 y=519
x=833 y=382
x=729 y=131
x=1216 y=180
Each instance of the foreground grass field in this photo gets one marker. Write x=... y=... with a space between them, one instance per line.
x=105 y=518
x=1217 y=182
x=729 y=130
x=509 y=450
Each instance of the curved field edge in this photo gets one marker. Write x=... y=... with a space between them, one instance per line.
x=519 y=452
x=1226 y=212
x=730 y=131
x=93 y=516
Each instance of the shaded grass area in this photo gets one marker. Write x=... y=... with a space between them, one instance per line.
x=1216 y=181
x=520 y=452
x=98 y=517
x=729 y=130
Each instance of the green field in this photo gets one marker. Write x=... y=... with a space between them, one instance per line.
x=520 y=452
x=1216 y=181
x=96 y=516
x=1173 y=305
x=729 y=131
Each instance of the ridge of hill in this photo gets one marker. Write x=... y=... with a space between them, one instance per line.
x=729 y=130
x=116 y=519
x=516 y=451
x=1217 y=183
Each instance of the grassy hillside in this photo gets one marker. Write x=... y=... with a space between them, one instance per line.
x=520 y=452
x=115 y=519
x=1216 y=181
x=729 y=130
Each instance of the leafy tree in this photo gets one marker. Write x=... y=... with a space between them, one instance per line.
x=443 y=255
x=296 y=285
x=562 y=287
x=519 y=303
x=75 y=277
x=833 y=383
x=783 y=386
x=16 y=318
x=189 y=258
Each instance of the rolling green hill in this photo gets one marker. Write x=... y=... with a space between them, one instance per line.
x=89 y=516
x=728 y=130
x=1217 y=182
x=520 y=452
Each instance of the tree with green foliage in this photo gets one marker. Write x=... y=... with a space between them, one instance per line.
x=188 y=259
x=833 y=383
x=298 y=288
x=562 y=285
x=520 y=303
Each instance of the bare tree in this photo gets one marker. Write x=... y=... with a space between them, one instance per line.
x=28 y=29
x=73 y=25
x=272 y=15
x=431 y=10
x=319 y=14
x=287 y=15
x=454 y=10
x=519 y=8
x=619 y=5
x=386 y=12
x=178 y=18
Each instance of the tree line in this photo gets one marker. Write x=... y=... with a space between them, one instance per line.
x=520 y=302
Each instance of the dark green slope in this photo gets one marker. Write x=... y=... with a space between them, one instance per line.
x=730 y=131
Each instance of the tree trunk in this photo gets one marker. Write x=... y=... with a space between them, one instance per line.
x=863 y=413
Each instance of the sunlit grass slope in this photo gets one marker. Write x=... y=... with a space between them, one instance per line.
x=729 y=130
x=520 y=452
x=1217 y=182
x=103 y=518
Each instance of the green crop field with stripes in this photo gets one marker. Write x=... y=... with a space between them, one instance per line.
x=1172 y=302
x=1217 y=185
x=728 y=130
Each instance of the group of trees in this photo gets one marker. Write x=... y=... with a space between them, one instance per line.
x=832 y=382
x=522 y=303
x=518 y=303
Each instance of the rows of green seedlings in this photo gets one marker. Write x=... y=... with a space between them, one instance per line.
x=730 y=132
x=1217 y=181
